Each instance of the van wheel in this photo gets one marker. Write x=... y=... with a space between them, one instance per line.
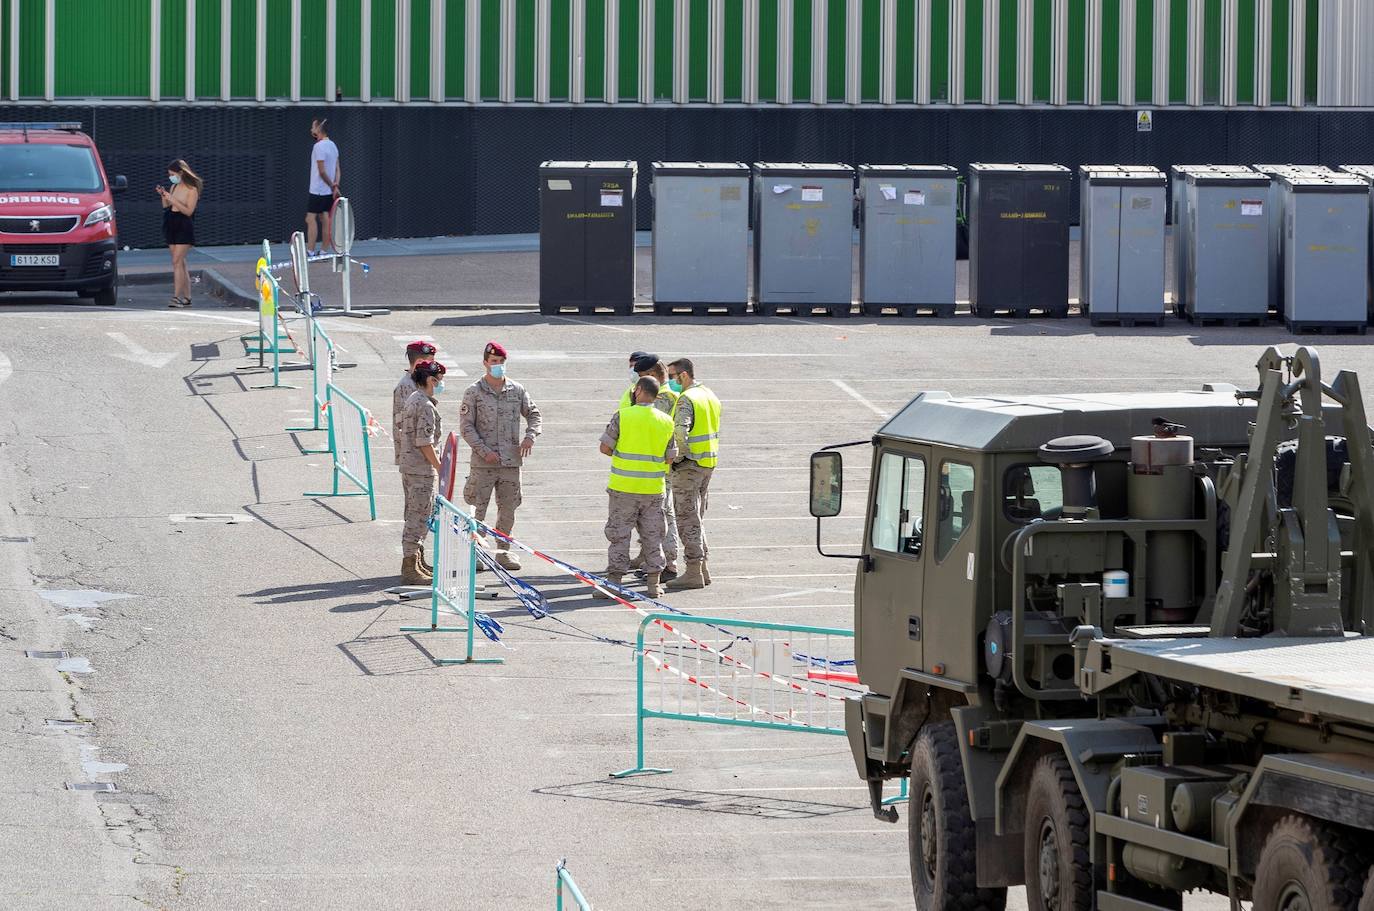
x=940 y=833
x=1367 y=903
x=1306 y=866
x=1058 y=874
x=107 y=296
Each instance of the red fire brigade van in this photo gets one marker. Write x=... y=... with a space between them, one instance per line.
x=57 y=217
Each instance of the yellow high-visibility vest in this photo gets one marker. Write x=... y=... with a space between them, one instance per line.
x=637 y=463
x=704 y=438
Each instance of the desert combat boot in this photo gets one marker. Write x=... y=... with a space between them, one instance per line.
x=691 y=578
x=412 y=574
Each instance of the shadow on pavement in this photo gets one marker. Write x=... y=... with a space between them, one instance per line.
x=323 y=591
x=701 y=801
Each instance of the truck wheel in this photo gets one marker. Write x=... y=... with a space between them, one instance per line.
x=944 y=866
x=1305 y=866
x=1058 y=874
x=1367 y=903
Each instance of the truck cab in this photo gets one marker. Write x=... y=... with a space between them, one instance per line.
x=1075 y=614
x=57 y=213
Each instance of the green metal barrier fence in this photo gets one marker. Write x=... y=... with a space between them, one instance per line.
x=563 y=879
x=455 y=574
x=348 y=444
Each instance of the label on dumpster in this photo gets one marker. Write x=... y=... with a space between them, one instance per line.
x=559 y=184
x=812 y=194
x=781 y=188
x=729 y=194
x=1251 y=207
x=889 y=191
x=612 y=198
x=1142 y=202
x=913 y=198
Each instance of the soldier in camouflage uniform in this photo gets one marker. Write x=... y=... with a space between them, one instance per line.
x=639 y=440
x=416 y=351
x=421 y=431
x=489 y=422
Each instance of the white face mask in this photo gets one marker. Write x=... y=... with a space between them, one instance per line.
x=174 y=179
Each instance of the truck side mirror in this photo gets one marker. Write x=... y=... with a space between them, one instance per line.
x=121 y=183
x=827 y=484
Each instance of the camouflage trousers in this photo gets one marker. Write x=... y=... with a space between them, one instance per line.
x=670 y=545
x=505 y=483
x=419 y=500
x=642 y=512
x=690 y=482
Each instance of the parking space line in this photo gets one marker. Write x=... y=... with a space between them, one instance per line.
x=569 y=319
x=849 y=391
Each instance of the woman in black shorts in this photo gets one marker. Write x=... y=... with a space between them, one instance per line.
x=178 y=225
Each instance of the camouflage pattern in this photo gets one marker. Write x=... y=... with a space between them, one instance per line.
x=634 y=512
x=690 y=482
x=505 y=483
x=420 y=426
x=489 y=421
x=419 y=500
x=399 y=396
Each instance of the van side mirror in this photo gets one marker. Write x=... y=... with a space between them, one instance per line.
x=827 y=484
x=121 y=183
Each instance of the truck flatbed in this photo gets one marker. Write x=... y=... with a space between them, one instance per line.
x=1333 y=678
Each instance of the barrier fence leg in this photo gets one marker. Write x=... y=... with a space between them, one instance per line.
x=639 y=767
x=434 y=626
x=472 y=609
x=901 y=794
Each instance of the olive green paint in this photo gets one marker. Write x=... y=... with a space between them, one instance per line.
x=973 y=51
x=939 y=50
x=801 y=49
x=734 y=50
x=768 y=49
x=313 y=40
x=383 y=48
x=455 y=48
x=172 y=63
x=629 y=50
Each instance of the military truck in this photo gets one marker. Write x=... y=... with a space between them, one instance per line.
x=1118 y=643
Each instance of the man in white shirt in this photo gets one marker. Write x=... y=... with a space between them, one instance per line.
x=324 y=185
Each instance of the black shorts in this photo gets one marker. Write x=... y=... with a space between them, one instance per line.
x=178 y=228
x=319 y=204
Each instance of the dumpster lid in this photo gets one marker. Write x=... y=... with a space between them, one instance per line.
x=1182 y=170
x=701 y=168
x=1246 y=178
x=1324 y=183
x=805 y=169
x=1274 y=170
x=1029 y=170
x=1365 y=171
x=907 y=170
x=589 y=166
x=1121 y=175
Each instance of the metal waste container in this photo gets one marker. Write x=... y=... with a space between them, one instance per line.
x=1325 y=251
x=1178 y=207
x=1019 y=239
x=907 y=238
x=1227 y=247
x=1121 y=251
x=587 y=236
x=1276 y=202
x=701 y=236
x=1366 y=173
x=803 y=238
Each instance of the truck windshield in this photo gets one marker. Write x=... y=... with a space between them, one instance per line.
x=46 y=167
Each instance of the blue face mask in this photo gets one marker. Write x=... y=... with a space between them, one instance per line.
x=174 y=179
x=675 y=385
x=438 y=387
x=498 y=370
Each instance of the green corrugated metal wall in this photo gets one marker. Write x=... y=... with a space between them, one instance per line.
x=86 y=31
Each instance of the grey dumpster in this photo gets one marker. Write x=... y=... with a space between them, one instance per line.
x=1178 y=208
x=587 y=236
x=1366 y=173
x=1226 y=242
x=1325 y=252
x=907 y=239
x=1276 y=201
x=701 y=237
x=1019 y=239
x=803 y=238
x=1121 y=252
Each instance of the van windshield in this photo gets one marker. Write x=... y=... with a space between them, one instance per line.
x=52 y=168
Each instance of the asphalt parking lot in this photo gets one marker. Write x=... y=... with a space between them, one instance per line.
x=283 y=745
